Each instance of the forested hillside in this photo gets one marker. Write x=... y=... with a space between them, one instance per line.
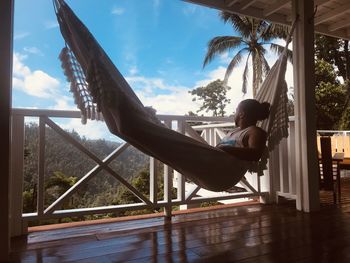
x=65 y=165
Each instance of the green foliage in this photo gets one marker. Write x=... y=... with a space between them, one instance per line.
x=324 y=72
x=213 y=97
x=57 y=185
x=330 y=96
x=334 y=51
x=210 y=203
x=330 y=100
x=65 y=165
x=142 y=183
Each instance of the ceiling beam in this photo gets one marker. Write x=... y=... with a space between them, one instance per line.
x=247 y=4
x=237 y=9
x=232 y=2
x=333 y=13
x=259 y=13
x=320 y=2
x=340 y=33
x=275 y=7
x=339 y=25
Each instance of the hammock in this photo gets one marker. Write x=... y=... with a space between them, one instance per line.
x=98 y=86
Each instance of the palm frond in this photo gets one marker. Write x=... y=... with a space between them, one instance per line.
x=273 y=31
x=219 y=45
x=257 y=26
x=239 y=23
x=234 y=62
x=278 y=49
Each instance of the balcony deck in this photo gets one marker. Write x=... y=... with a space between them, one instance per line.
x=250 y=233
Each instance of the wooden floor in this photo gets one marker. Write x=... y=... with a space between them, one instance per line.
x=246 y=234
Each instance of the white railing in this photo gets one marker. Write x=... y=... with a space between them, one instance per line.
x=187 y=193
x=282 y=160
x=282 y=169
x=340 y=141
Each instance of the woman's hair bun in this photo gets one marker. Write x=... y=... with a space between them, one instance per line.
x=264 y=111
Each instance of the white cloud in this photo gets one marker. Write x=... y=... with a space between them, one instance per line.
x=117 y=11
x=36 y=83
x=20 y=35
x=33 y=50
x=64 y=103
x=175 y=103
x=133 y=70
x=92 y=129
x=151 y=85
x=51 y=24
x=225 y=58
x=165 y=98
x=40 y=84
x=19 y=69
x=189 y=9
x=156 y=3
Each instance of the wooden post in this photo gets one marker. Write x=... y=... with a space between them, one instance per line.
x=18 y=226
x=6 y=36
x=305 y=110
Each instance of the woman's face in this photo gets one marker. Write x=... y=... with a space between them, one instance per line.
x=238 y=115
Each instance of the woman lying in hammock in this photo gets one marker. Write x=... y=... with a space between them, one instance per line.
x=214 y=168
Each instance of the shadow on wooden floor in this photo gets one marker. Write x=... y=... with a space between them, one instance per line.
x=245 y=234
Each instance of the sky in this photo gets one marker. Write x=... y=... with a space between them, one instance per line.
x=158 y=46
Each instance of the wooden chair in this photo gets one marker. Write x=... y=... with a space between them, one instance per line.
x=329 y=172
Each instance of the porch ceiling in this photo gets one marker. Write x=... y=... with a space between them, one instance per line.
x=332 y=17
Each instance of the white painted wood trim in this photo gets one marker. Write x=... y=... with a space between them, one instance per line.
x=41 y=167
x=153 y=170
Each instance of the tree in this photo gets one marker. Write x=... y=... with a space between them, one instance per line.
x=255 y=34
x=56 y=185
x=213 y=96
x=330 y=96
x=335 y=51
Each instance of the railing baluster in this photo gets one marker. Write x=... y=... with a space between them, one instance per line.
x=283 y=165
x=168 y=182
x=153 y=180
x=291 y=158
x=181 y=191
x=41 y=170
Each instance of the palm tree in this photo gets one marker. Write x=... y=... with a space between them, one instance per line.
x=255 y=34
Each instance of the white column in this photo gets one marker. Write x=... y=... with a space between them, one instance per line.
x=6 y=36
x=305 y=111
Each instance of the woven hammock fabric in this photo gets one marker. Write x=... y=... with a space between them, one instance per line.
x=127 y=118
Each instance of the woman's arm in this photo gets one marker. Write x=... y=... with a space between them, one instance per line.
x=256 y=141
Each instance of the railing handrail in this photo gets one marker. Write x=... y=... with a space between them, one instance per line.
x=76 y=114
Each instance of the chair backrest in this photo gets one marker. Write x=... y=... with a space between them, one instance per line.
x=327 y=164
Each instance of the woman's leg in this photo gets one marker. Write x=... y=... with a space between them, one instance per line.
x=207 y=166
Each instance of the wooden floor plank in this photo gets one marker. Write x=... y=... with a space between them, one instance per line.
x=248 y=234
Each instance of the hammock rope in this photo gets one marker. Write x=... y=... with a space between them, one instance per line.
x=97 y=86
